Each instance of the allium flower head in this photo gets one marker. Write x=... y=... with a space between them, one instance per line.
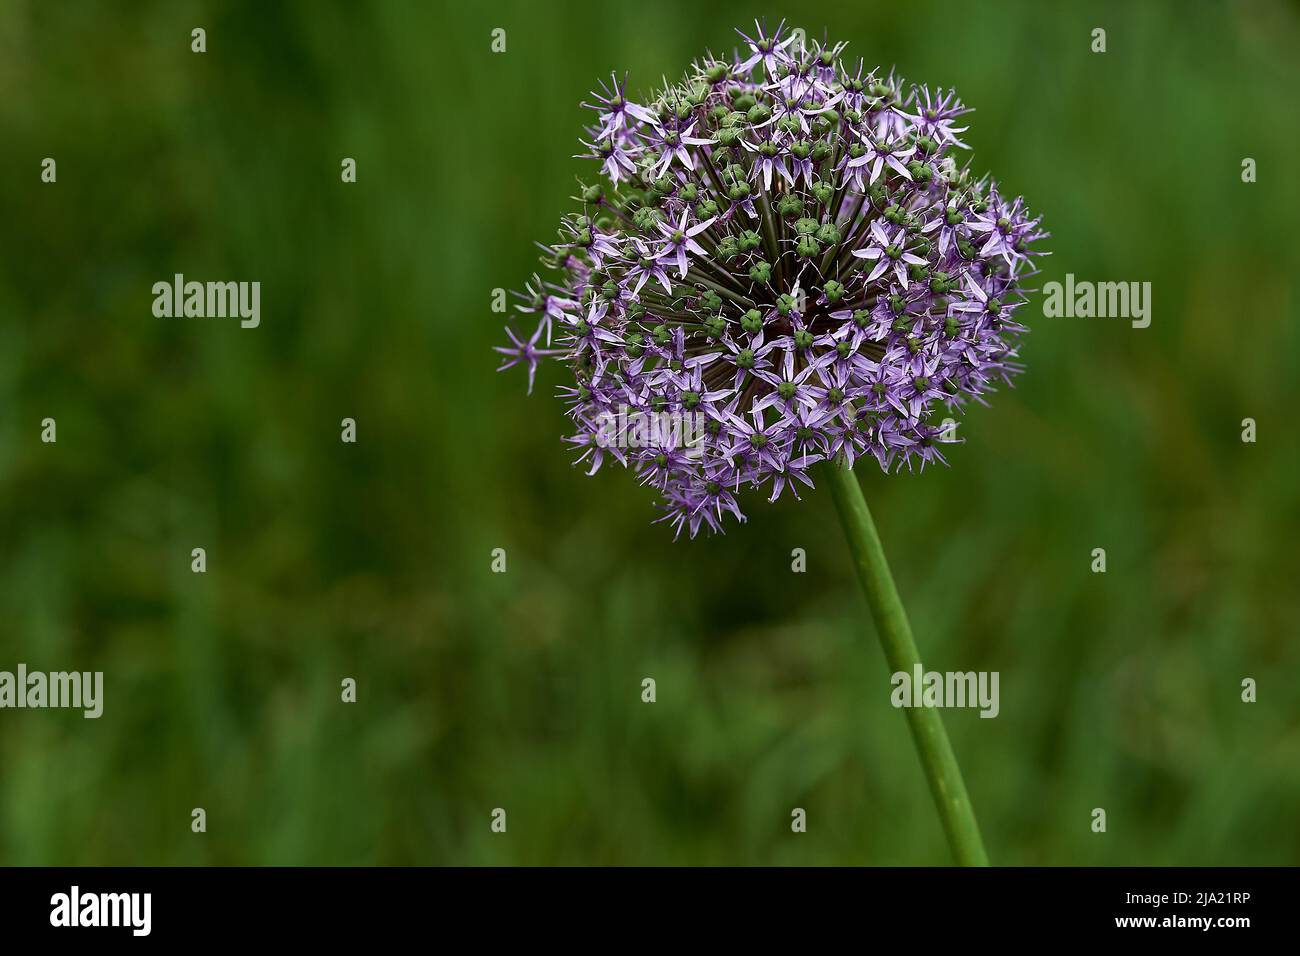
x=781 y=261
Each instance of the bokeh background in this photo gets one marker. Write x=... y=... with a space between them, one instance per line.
x=522 y=690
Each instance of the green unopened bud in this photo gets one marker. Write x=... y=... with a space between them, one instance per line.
x=760 y=272
x=807 y=247
x=790 y=207
x=593 y=194
x=803 y=339
x=745 y=358
x=833 y=290
x=786 y=390
x=646 y=218
x=806 y=226
x=752 y=321
x=828 y=234
x=785 y=304
x=824 y=192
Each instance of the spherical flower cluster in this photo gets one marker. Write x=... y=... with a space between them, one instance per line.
x=782 y=263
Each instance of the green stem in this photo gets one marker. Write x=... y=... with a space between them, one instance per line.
x=932 y=744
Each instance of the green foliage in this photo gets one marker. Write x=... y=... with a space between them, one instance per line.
x=522 y=690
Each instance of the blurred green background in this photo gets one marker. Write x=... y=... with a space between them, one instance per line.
x=522 y=690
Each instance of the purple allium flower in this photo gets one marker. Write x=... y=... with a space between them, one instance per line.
x=784 y=257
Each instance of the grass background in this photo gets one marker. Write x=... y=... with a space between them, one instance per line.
x=522 y=690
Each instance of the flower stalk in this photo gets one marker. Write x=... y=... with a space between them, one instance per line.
x=931 y=740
